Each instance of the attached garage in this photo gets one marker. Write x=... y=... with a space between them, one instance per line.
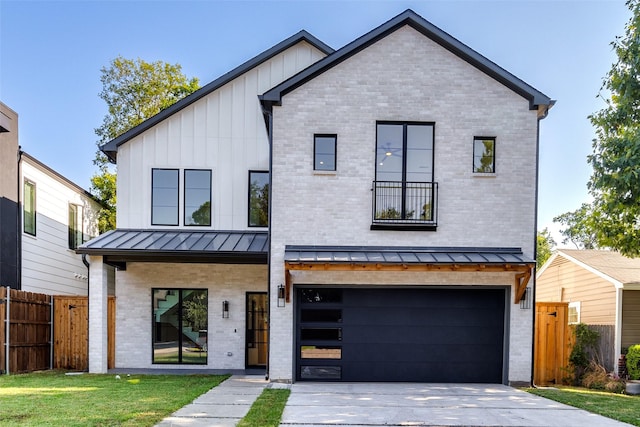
x=416 y=334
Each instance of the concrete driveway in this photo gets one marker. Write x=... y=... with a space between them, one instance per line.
x=403 y=404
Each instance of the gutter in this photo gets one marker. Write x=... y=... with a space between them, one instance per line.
x=268 y=116
x=19 y=224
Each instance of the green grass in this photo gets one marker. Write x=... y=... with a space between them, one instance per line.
x=619 y=407
x=54 y=399
x=267 y=409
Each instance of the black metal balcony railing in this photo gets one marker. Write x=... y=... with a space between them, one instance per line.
x=400 y=202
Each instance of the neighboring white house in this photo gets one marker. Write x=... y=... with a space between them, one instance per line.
x=58 y=216
x=43 y=218
x=399 y=175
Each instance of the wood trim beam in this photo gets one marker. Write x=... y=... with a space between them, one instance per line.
x=521 y=278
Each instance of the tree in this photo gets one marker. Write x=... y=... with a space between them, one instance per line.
x=615 y=181
x=545 y=245
x=580 y=229
x=134 y=90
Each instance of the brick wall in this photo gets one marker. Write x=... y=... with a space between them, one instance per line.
x=403 y=77
x=223 y=282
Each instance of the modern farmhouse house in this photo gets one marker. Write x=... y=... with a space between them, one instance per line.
x=331 y=215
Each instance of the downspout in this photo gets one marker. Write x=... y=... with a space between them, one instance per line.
x=19 y=224
x=541 y=116
x=269 y=114
x=88 y=265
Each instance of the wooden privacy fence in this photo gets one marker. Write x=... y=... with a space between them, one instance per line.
x=25 y=331
x=552 y=343
x=71 y=332
x=39 y=332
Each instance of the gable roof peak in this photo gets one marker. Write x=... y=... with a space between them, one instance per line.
x=537 y=100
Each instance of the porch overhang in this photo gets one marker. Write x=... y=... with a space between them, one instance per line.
x=118 y=247
x=374 y=258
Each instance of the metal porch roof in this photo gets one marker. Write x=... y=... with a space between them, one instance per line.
x=124 y=245
x=404 y=255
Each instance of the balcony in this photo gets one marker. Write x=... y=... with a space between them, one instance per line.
x=402 y=205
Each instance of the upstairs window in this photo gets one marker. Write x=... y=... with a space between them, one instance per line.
x=197 y=197
x=484 y=154
x=258 y=199
x=29 y=208
x=164 y=196
x=324 y=152
x=76 y=226
x=404 y=191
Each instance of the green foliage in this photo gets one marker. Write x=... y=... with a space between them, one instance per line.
x=202 y=215
x=51 y=398
x=259 y=204
x=267 y=410
x=633 y=362
x=545 y=245
x=583 y=351
x=195 y=310
x=393 y=213
x=615 y=181
x=134 y=90
x=579 y=227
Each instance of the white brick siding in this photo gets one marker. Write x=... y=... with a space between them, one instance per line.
x=403 y=77
x=223 y=282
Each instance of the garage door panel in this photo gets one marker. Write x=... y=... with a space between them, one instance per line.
x=403 y=334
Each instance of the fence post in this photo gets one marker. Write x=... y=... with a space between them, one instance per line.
x=7 y=338
x=51 y=325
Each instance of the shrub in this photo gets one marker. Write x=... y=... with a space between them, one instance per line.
x=597 y=378
x=585 y=346
x=633 y=362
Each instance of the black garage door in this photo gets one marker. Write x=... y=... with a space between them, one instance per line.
x=402 y=334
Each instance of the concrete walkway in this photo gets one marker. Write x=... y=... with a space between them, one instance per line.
x=402 y=404
x=222 y=406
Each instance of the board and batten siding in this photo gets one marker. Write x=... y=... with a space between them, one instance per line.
x=224 y=131
x=630 y=317
x=565 y=281
x=48 y=265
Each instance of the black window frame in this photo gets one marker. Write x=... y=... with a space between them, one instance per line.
x=33 y=214
x=249 y=223
x=184 y=189
x=179 y=327
x=316 y=166
x=75 y=230
x=493 y=156
x=404 y=223
x=177 y=196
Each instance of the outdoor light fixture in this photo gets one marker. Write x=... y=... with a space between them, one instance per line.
x=225 y=309
x=280 y=295
x=525 y=301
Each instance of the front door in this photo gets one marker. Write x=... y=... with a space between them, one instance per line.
x=256 y=354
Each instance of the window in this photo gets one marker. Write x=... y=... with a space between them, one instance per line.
x=197 y=197
x=180 y=318
x=29 y=214
x=76 y=224
x=258 y=199
x=574 y=312
x=324 y=152
x=404 y=187
x=484 y=154
x=164 y=197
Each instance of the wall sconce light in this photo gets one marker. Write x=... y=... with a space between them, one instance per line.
x=225 y=309
x=280 y=295
x=525 y=301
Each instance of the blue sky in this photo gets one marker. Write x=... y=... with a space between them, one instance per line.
x=51 y=53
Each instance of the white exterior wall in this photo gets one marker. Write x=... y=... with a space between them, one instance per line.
x=48 y=265
x=224 y=132
x=403 y=77
x=223 y=282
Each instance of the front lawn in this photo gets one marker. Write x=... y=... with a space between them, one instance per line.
x=619 y=407
x=54 y=399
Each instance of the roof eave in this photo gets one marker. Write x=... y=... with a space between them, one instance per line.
x=110 y=149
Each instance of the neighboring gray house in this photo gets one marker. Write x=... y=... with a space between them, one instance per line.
x=386 y=163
